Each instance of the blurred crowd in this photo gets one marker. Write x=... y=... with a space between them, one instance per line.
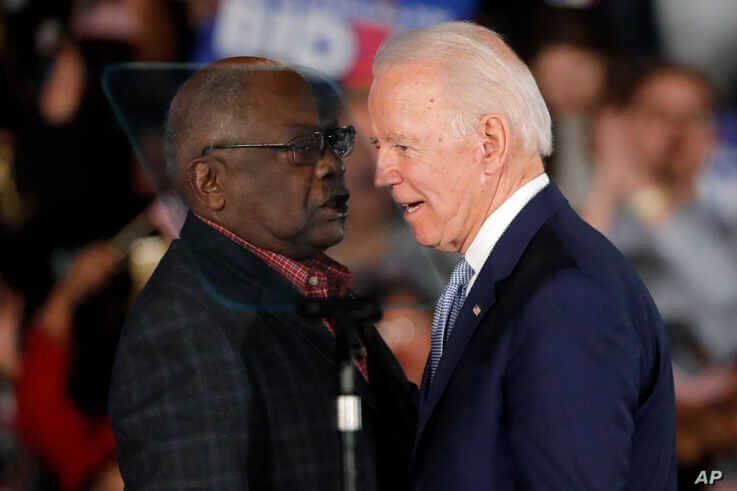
x=642 y=95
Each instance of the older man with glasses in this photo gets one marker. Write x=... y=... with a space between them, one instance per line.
x=219 y=383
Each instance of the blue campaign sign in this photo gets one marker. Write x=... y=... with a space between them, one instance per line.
x=337 y=37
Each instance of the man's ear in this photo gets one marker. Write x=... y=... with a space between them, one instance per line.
x=494 y=133
x=204 y=178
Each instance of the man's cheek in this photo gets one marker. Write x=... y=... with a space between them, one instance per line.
x=298 y=219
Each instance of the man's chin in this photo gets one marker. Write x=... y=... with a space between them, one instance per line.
x=423 y=238
x=330 y=235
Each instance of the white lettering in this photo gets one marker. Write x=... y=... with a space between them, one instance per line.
x=709 y=477
x=715 y=476
x=701 y=478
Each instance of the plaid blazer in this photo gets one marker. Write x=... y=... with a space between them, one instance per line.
x=219 y=384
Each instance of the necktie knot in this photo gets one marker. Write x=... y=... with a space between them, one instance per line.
x=461 y=274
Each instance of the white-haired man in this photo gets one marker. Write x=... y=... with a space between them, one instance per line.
x=549 y=366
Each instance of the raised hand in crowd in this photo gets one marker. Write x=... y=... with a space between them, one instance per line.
x=619 y=169
x=88 y=272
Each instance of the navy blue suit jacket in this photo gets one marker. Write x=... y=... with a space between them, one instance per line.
x=557 y=374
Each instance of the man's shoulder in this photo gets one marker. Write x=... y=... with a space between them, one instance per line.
x=563 y=241
x=589 y=247
x=169 y=304
x=173 y=283
x=569 y=268
x=187 y=291
x=579 y=280
x=593 y=255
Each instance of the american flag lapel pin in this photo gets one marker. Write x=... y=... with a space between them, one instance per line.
x=476 y=310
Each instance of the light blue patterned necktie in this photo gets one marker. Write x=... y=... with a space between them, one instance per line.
x=446 y=311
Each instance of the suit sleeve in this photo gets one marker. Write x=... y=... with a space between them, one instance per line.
x=179 y=404
x=572 y=387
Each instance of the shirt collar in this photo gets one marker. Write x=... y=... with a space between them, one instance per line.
x=318 y=277
x=497 y=222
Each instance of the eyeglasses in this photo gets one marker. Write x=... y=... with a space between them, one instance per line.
x=306 y=149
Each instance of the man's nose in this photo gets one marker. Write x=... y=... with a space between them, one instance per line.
x=330 y=165
x=387 y=173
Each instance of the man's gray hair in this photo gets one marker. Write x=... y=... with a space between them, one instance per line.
x=483 y=75
x=202 y=100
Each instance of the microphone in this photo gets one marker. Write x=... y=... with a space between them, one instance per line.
x=351 y=315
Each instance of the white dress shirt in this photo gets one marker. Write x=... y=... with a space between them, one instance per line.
x=496 y=223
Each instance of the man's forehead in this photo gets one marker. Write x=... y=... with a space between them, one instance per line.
x=408 y=78
x=280 y=118
x=395 y=101
x=300 y=103
x=395 y=92
x=269 y=105
x=292 y=116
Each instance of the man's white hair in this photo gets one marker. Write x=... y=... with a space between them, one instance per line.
x=483 y=76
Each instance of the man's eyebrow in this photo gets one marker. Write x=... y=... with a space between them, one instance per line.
x=399 y=137
x=301 y=126
x=393 y=139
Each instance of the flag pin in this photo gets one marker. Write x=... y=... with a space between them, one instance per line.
x=476 y=310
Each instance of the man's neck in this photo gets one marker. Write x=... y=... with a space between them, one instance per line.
x=512 y=177
x=274 y=245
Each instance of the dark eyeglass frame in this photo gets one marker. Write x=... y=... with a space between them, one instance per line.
x=327 y=138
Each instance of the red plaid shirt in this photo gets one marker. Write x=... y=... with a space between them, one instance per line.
x=318 y=277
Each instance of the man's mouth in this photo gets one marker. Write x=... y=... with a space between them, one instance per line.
x=339 y=203
x=412 y=207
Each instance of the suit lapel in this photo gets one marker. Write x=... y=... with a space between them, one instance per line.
x=425 y=383
x=281 y=304
x=482 y=297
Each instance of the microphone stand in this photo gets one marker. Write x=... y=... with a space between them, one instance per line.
x=351 y=316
